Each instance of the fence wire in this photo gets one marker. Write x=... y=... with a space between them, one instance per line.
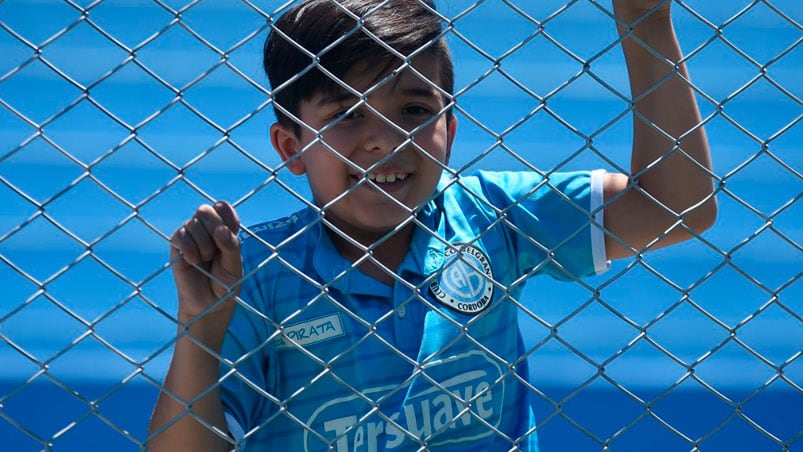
x=80 y=201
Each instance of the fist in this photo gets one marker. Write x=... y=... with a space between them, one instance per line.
x=207 y=266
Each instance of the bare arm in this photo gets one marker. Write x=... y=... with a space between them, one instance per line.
x=189 y=414
x=670 y=157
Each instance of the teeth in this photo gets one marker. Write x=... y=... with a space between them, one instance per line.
x=387 y=178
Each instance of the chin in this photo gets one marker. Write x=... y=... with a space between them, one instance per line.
x=384 y=224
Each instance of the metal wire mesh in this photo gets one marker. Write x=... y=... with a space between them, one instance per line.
x=46 y=97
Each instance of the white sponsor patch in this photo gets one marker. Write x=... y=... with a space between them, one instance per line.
x=465 y=283
x=310 y=332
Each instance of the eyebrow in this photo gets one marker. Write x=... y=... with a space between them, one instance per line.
x=419 y=91
x=338 y=97
x=342 y=96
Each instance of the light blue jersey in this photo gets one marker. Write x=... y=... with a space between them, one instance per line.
x=323 y=355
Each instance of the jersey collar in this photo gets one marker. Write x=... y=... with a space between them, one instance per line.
x=424 y=257
x=337 y=271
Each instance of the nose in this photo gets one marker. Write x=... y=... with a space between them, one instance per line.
x=381 y=134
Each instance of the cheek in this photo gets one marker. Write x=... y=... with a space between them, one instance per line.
x=433 y=140
x=335 y=140
x=436 y=147
x=321 y=158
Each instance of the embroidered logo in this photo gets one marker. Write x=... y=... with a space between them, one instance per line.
x=310 y=332
x=465 y=283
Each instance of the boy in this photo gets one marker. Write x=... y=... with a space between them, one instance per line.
x=385 y=317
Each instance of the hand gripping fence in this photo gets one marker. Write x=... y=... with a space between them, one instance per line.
x=118 y=119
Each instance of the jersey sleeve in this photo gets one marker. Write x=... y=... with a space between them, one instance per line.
x=245 y=374
x=554 y=222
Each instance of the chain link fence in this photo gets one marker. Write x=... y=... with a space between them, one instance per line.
x=119 y=117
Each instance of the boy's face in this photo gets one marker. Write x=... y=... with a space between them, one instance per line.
x=408 y=173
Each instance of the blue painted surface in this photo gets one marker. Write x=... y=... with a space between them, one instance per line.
x=92 y=172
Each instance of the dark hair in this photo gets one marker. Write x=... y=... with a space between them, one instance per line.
x=404 y=25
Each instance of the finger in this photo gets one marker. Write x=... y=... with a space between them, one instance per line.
x=226 y=239
x=199 y=233
x=183 y=244
x=229 y=246
x=212 y=219
x=222 y=214
x=228 y=215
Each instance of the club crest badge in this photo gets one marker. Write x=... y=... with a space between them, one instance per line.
x=466 y=280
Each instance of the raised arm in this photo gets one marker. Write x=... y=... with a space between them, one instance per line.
x=189 y=407
x=670 y=157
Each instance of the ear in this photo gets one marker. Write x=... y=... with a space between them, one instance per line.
x=451 y=133
x=287 y=144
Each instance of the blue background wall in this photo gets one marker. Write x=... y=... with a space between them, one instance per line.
x=90 y=191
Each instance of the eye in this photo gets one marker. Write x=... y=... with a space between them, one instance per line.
x=345 y=114
x=418 y=110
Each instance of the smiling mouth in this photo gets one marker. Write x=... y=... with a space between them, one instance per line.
x=384 y=178
x=387 y=178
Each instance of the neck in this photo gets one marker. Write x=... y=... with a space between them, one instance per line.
x=386 y=250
